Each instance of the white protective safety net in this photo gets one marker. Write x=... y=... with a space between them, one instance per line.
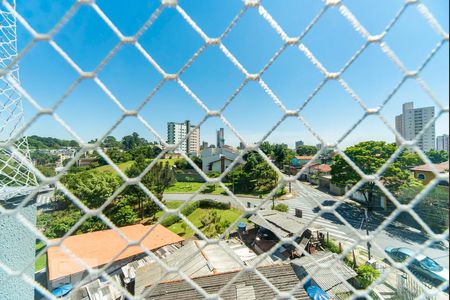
x=16 y=169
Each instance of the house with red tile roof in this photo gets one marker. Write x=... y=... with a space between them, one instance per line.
x=103 y=248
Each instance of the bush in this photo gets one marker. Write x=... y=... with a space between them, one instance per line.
x=366 y=275
x=331 y=246
x=209 y=189
x=213 y=204
x=170 y=220
x=281 y=207
x=186 y=211
x=214 y=174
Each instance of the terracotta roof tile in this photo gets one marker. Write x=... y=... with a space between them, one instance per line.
x=442 y=167
x=98 y=248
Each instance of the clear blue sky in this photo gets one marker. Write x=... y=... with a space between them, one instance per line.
x=171 y=42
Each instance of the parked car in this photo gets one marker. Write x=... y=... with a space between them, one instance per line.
x=421 y=266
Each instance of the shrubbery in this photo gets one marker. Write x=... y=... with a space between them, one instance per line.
x=331 y=246
x=366 y=275
x=281 y=207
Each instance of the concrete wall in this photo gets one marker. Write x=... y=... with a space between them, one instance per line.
x=17 y=250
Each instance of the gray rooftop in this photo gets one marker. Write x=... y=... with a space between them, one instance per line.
x=248 y=286
x=282 y=224
x=192 y=262
x=326 y=278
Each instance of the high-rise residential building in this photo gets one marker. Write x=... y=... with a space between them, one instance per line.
x=204 y=146
x=220 y=138
x=412 y=121
x=177 y=132
x=299 y=144
x=442 y=143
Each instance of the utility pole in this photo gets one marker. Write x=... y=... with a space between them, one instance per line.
x=369 y=246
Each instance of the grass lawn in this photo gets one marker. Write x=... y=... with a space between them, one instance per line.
x=191 y=187
x=231 y=215
x=109 y=169
x=41 y=262
x=126 y=165
x=170 y=205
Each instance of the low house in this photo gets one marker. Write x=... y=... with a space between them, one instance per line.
x=100 y=248
x=196 y=259
x=83 y=162
x=314 y=172
x=282 y=225
x=425 y=173
x=298 y=162
x=218 y=159
x=334 y=281
x=232 y=285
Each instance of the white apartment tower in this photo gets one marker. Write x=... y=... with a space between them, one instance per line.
x=177 y=132
x=412 y=121
x=442 y=143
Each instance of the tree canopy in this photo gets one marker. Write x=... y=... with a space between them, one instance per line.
x=38 y=142
x=370 y=157
x=281 y=155
x=306 y=150
x=254 y=176
x=433 y=209
x=92 y=188
x=437 y=157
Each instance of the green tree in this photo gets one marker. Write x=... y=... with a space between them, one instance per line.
x=266 y=179
x=433 y=209
x=307 y=150
x=181 y=164
x=111 y=142
x=92 y=188
x=47 y=171
x=56 y=224
x=282 y=155
x=43 y=158
x=370 y=157
x=132 y=141
x=157 y=180
x=117 y=155
x=267 y=148
x=437 y=157
x=145 y=150
x=122 y=214
x=255 y=175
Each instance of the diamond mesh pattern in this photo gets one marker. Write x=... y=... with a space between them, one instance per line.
x=13 y=143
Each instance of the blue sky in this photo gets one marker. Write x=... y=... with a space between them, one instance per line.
x=213 y=78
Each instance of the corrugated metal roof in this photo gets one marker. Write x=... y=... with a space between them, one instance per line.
x=195 y=263
x=282 y=224
x=282 y=277
x=326 y=278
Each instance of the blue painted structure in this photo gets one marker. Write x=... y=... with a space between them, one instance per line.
x=17 y=249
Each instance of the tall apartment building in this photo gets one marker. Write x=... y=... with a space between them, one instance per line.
x=442 y=143
x=220 y=138
x=299 y=144
x=177 y=132
x=412 y=121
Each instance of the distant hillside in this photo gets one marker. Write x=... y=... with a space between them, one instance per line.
x=38 y=142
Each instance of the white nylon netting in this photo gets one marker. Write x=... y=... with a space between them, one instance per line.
x=9 y=78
